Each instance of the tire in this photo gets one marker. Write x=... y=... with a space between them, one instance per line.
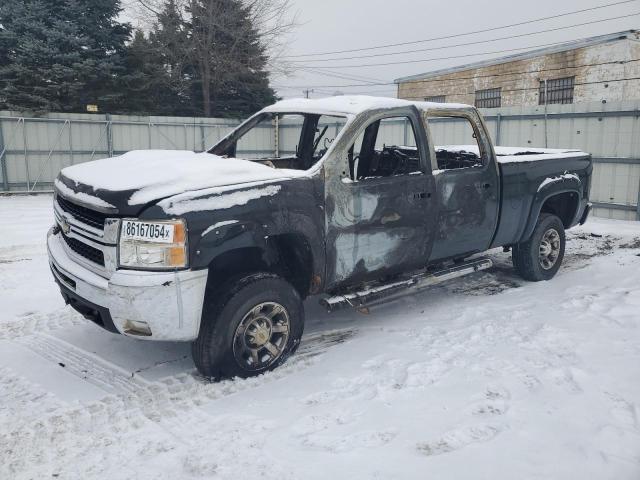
x=237 y=336
x=540 y=257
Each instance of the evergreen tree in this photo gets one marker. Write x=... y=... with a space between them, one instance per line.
x=105 y=51
x=141 y=84
x=59 y=55
x=170 y=39
x=230 y=58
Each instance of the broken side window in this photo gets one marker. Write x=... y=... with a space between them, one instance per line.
x=456 y=143
x=385 y=148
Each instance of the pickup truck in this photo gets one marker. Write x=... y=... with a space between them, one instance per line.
x=358 y=199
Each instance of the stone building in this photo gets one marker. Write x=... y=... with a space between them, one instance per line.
x=604 y=68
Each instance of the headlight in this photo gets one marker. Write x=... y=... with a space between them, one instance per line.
x=151 y=245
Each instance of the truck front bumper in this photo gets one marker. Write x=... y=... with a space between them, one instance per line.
x=150 y=305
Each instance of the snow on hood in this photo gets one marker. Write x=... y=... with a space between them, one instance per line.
x=156 y=174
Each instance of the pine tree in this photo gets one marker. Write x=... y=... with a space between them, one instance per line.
x=170 y=39
x=105 y=51
x=230 y=58
x=141 y=84
x=59 y=55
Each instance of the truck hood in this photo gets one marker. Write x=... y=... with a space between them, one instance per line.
x=128 y=183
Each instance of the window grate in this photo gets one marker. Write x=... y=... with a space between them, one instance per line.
x=489 y=98
x=559 y=90
x=436 y=99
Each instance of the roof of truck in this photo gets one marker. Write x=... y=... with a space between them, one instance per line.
x=352 y=105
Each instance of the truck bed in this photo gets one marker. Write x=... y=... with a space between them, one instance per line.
x=517 y=154
x=524 y=171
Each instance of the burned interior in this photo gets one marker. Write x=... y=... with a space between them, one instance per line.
x=371 y=157
x=452 y=157
x=303 y=139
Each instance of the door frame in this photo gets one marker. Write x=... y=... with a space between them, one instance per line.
x=339 y=185
x=485 y=145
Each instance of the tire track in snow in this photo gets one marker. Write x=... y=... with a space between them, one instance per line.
x=40 y=322
x=44 y=442
x=85 y=365
x=17 y=395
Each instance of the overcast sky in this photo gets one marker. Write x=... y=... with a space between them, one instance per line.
x=332 y=25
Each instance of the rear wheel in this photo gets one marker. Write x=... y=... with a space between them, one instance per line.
x=540 y=257
x=250 y=325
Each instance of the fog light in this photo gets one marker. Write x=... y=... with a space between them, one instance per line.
x=139 y=329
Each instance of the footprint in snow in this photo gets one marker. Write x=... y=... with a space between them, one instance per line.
x=625 y=411
x=347 y=443
x=458 y=439
x=490 y=409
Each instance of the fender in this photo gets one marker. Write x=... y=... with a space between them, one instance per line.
x=550 y=187
x=229 y=237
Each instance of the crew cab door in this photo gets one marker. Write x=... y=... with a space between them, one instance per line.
x=467 y=183
x=378 y=195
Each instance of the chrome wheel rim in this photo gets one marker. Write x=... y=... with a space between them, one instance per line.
x=549 y=249
x=261 y=336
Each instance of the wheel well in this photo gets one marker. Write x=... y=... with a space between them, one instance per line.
x=287 y=255
x=563 y=205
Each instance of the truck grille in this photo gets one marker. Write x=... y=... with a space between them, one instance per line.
x=82 y=214
x=87 y=251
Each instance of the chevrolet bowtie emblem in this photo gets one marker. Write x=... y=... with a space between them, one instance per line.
x=64 y=225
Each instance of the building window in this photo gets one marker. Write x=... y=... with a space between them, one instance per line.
x=436 y=99
x=489 y=98
x=559 y=90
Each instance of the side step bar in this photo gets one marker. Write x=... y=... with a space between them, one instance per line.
x=415 y=282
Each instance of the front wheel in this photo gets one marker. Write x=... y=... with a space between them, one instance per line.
x=250 y=325
x=540 y=257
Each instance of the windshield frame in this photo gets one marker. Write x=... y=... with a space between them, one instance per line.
x=229 y=142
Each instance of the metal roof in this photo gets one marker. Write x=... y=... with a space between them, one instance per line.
x=562 y=47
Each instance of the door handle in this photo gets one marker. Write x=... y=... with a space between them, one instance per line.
x=421 y=195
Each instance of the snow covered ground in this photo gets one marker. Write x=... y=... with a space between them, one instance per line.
x=485 y=377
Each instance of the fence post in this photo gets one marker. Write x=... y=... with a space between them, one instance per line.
x=109 y=135
x=3 y=162
x=186 y=138
x=498 y=121
x=276 y=135
x=638 y=204
x=202 y=137
x=26 y=156
x=70 y=144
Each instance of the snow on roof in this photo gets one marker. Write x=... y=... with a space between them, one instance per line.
x=351 y=105
x=563 y=47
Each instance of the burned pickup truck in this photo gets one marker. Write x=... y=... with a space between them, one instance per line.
x=357 y=199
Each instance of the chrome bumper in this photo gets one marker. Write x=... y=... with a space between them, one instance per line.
x=169 y=303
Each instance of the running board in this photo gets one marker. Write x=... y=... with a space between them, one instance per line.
x=415 y=282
